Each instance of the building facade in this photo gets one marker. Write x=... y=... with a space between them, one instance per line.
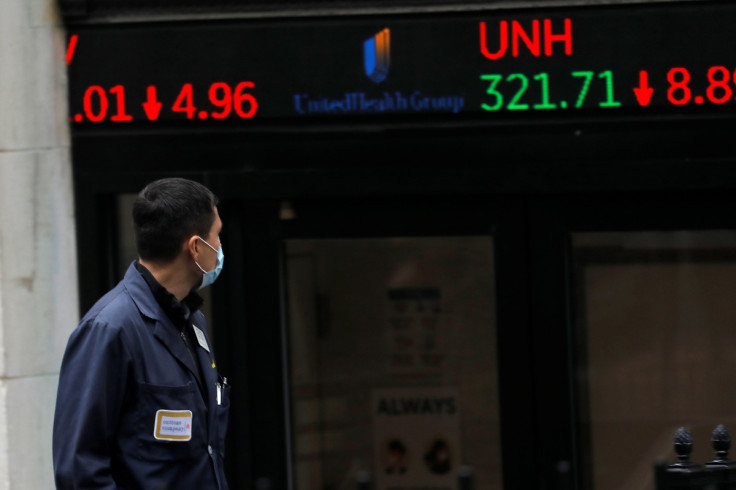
x=38 y=267
x=492 y=238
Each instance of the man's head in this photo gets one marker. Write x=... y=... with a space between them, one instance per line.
x=168 y=213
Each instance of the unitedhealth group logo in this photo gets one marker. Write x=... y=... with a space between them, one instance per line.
x=376 y=62
x=377 y=56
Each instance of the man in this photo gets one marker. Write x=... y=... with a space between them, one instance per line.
x=140 y=403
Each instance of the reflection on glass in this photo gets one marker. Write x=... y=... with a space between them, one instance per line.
x=656 y=326
x=393 y=362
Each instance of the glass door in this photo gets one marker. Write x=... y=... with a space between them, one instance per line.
x=393 y=365
x=394 y=354
x=634 y=295
x=655 y=321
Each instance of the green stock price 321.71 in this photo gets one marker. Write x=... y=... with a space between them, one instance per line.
x=513 y=92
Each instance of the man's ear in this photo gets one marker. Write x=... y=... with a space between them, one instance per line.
x=192 y=247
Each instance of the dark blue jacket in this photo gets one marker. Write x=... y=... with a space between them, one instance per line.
x=125 y=365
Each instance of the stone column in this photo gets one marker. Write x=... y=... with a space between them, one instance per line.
x=38 y=278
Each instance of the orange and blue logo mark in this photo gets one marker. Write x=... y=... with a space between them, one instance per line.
x=377 y=62
x=377 y=56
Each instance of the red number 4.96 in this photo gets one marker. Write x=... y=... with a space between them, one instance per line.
x=221 y=96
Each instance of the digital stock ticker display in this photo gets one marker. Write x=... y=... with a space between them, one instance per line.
x=494 y=66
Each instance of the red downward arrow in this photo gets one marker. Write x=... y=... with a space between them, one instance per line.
x=152 y=106
x=643 y=92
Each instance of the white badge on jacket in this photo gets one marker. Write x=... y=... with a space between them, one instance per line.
x=173 y=425
x=201 y=338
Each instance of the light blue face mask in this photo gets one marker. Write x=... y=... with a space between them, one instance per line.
x=209 y=277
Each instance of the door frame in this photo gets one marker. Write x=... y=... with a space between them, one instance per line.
x=552 y=222
x=258 y=287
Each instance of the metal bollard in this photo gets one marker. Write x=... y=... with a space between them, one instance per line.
x=466 y=478
x=363 y=480
x=263 y=483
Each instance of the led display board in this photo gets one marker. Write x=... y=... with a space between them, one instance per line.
x=665 y=58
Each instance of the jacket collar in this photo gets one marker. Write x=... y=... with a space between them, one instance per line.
x=179 y=312
x=141 y=293
x=164 y=328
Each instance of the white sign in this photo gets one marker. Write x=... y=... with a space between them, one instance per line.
x=417 y=438
x=415 y=344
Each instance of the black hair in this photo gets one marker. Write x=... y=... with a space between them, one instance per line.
x=169 y=211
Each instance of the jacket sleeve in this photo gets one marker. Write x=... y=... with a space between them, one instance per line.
x=92 y=386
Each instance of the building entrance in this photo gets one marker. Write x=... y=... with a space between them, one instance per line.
x=521 y=340
x=390 y=352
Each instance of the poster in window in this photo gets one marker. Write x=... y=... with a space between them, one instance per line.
x=415 y=346
x=417 y=438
